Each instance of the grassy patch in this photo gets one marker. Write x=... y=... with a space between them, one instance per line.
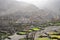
x=44 y=38
x=35 y=29
x=52 y=33
x=21 y=33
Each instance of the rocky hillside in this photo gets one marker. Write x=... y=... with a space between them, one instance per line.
x=12 y=12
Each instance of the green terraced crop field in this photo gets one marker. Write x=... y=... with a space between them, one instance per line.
x=43 y=38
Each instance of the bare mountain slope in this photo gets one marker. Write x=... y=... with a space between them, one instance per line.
x=13 y=11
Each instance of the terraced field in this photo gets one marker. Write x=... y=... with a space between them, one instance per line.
x=49 y=32
x=46 y=34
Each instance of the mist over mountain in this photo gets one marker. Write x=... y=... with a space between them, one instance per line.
x=17 y=10
x=12 y=12
x=53 y=5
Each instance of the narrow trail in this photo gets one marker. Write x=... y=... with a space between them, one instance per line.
x=16 y=37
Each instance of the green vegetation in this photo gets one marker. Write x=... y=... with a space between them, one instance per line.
x=22 y=33
x=55 y=36
x=53 y=33
x=35 y=29
x=54 y=23
x=4 y=35
x=39 y=39
x=43 y=25
x=30 y=30
x=44 y=38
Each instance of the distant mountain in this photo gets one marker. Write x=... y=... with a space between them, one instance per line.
x=12 y=12
x=17 y=10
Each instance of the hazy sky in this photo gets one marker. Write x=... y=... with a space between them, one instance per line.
x=50 y=4
x=53 y=5
x=35 y=2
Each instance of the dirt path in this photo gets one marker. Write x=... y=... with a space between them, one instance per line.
x=16 y=37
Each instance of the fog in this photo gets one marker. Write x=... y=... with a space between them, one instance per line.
x=53 y=5
x=50 y=4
